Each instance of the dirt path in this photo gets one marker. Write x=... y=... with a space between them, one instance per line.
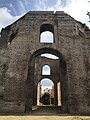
x=44 y=117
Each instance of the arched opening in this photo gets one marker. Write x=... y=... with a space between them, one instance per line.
x=58 y=67
x=46 y=70
x=48 y=55
x=47 y=27
x=46 y=37
x=47 y=33
x=46 y=92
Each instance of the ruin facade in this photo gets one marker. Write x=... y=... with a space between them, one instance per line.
x=21 y=62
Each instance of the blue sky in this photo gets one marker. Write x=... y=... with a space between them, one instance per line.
x=19 y=7
x=46 y=83
x=11 y=10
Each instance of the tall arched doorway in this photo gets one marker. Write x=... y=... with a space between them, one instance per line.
x=45 y=92
x=58 y=74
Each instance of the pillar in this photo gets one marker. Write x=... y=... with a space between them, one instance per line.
x=59 y=93
x=38 y=94
x=35 y=95
x=55 y=94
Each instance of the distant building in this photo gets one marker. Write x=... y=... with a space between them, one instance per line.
x=50 y=91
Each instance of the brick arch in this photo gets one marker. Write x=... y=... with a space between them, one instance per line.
x=31 y=83
x=50 y=27
x=48 y=50
x=44 y=77
x=46 y=27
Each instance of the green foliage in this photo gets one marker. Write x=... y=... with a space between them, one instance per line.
x=45 y=99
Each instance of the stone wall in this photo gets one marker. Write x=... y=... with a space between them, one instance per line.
x=21 y=40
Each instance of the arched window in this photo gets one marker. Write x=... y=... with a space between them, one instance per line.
x=47 y=82
x=46 y=37
x=47 y=33
x=46 y=70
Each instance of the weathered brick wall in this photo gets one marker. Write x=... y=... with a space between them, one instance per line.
x=21 y=39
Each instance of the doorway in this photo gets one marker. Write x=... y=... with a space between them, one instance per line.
x=57 y=74
x=45 y=92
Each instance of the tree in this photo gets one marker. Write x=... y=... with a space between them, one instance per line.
x=45 y=99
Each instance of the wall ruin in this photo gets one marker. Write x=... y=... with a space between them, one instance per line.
x=20 y=46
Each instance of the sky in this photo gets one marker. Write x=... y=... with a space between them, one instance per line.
x=47 y=37
x=48 y=55
x=46 y=83
x=11 y=10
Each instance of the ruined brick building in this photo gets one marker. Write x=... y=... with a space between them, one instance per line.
x=21 y=62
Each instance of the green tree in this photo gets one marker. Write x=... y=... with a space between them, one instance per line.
x=45 y=99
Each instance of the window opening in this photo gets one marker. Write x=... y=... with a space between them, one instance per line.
x=46 y=37
x=46 y=70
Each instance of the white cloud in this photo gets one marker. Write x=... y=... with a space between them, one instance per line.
x=22 y=6
x=57 y=7
x=76 y=8
x=6 y=18
x=40 y=5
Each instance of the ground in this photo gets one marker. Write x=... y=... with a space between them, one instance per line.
x=44 y=117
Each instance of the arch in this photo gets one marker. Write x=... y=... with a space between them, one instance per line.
x=46 y=70
x=46 y=37
x=31 y=85
x=47 y=33
x=47 y=27
x=45 y=81
x=47 y=50
x=46 y=77
x=48 y=55
x=47 y=87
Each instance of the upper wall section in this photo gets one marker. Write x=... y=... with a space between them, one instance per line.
x=34 y=19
